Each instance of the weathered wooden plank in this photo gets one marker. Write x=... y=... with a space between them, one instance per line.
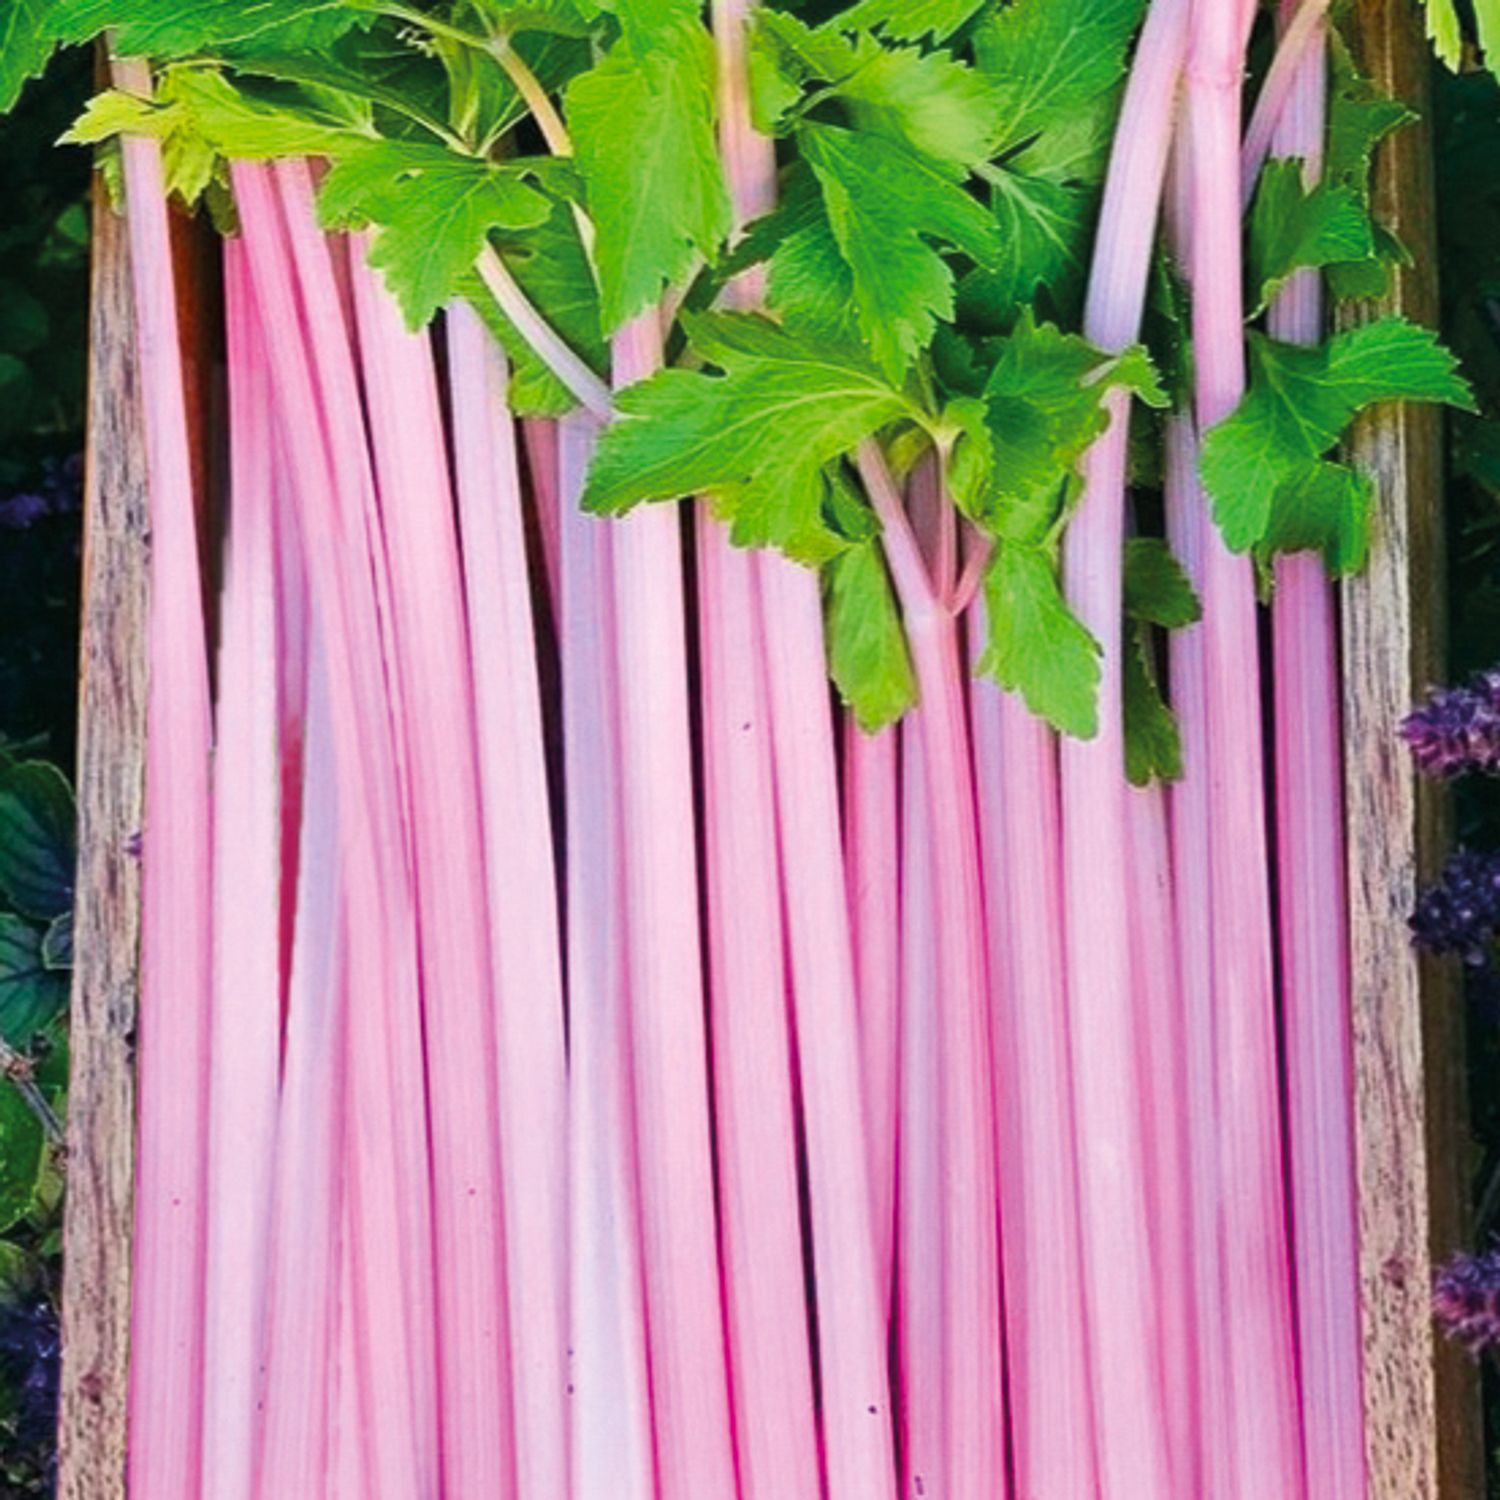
x=1420 y=1397
x=111 y=784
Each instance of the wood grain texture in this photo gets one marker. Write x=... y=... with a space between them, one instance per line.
x=1420 y=1396
x=111 y=784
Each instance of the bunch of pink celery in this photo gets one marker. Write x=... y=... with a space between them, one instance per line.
x=578 y=1063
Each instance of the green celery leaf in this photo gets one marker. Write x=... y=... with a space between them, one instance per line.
x=642 y=122
x=32 y=993
x=1444 y=31
x=169 y=28
x=1037 y=646
x=571 y=18
x=25 y=46
x=433 y=211
x=867 y=654
x=908 y=20
x=36 y=838
x=1157 y=590
x=22 y=1154
x=1322 y=507
x=1052 y=62
x=1153 y=742
x=756 y=437
x=1300 y=401
x=886 y=205
x=1294 y=228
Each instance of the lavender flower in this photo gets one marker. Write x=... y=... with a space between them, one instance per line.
x=1466 y=1301
x=1461 y=913
x=1457 y=729
x=57 y=494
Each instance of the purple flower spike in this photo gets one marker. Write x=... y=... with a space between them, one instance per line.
x=1466 y=1301
x=1461 y=913
x=1457 y=729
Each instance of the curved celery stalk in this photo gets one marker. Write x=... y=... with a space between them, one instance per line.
x=540 y=437
x=166 y=1328
x=245 y=1029
x=690 y=1396
x=1046 y=1345
x=1313 y=910
x=851 y=1312
x=1118 y=1273
x=1265 y=1436
x=872 y=811
x=611 y=1409
x=919 y=1225
x=387 y=1155
x=461 y=1013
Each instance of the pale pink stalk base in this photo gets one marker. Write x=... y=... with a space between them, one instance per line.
x=919 y=1149
x=690 y=1395
x=1158 y=1003
x=852 y=1322
x=1265 y=1436
x=1189 y=803
x=1124 y=1318
x=245 y=1030
x=307 y=1210
x=1314 y=925
x=872 y=810
x=610 y=1404
x=437 y=702
x=1046 y=1342
x=761 y=1231
x=521 y=892
x=166 y=1330
x=389 y=1191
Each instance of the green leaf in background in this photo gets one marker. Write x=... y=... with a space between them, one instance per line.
x=756 y=437
x=573 y=18
x=25 y=46
x=32 y=994
x=549 y=264
x=909 y=20
x=1037 y=646
x=1294 y=227
x=169 y=28
x=1157 y=590
x=642 y=122
x=1300 y=401
x=886 y=206
x=433 y=211
x=22 y=1151
x=36 y=838
x=867 y=655
x=57 y=942
x=1153 y=742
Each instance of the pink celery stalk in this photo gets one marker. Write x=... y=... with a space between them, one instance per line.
x=761 y=1229
x=388 y=1210
x=761 y=1234
x=245 y=1029
x=611 y=1409
x=461 y=1013
x=1302 y=47
x=972 y=1376
x=872 y=811
x=303 y=1295
x=1123 y=1317
x=851 y=1312
x=1314 y=917
x=694 y=1447
x=1265 y=1437
x=515 y=811
x=1051 y=1410
x=166 y=1365
x=919 y=1150
x=1163 y=1035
